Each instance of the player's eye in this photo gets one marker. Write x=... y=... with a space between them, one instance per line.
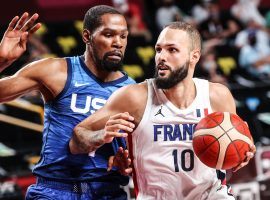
x=108 y=35
x=172 y=50
x=124 y=36
x=158 y=49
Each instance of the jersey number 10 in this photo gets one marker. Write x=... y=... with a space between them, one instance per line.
x=186 y=165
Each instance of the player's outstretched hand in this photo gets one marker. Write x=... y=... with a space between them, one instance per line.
x=14 y=41
x=249 y=155
x=122 y=161
x=118 y=125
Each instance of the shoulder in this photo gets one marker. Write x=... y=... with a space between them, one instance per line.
x=218 y=91
x=221 y=98
x=48 y=66
x=50 y=74
x=218 y=88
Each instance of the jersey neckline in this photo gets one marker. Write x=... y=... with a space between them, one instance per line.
x=170 y=105
x=93 y=76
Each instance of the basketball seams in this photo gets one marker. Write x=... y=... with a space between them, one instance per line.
x=208 y=132
x=202 y=135
x=237 y=136
x=234 y=135
x=224 y=164
x=231 y=136
x=217 y=122
x=233 y=144
x=230 y=140
x=208 y=119
x=209 y=145
x=204 y=151
x=222 y=151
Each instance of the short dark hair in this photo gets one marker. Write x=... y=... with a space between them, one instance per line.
x=193 y=33
x=92 y=18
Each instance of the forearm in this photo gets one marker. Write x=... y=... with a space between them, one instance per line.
x=85 y=141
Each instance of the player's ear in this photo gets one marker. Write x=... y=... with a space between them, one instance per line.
x=195 y=56
x=86 y=36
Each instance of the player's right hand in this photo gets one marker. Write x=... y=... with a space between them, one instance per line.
x=121 y=161
x=249 y=155
x=15 y=38
x=118 y=125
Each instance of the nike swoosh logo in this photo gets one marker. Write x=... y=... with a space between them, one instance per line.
x=80 y=84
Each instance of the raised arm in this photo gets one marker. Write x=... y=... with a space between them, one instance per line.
x=15 y=38
x=20 y=83
x=47 y=76
x=121 y=112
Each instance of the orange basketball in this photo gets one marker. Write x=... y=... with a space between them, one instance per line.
x=221 y=140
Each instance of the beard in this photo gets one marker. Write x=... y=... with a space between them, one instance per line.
x=105 y=63
x=175 y=77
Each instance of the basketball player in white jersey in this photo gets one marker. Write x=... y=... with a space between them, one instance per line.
x=161 y=115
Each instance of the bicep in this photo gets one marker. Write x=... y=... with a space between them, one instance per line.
x=16 y=85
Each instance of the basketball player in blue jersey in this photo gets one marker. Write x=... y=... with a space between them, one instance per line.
x=161 y=114
x=73 y=88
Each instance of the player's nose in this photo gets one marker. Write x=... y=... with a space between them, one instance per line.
x=117 y=42
x=161 y=56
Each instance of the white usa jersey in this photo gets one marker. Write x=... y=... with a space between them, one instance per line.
x=166 y=167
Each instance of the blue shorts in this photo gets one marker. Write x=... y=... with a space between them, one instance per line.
x=45 y=189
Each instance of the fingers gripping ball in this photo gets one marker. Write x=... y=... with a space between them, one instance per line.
x=221 y=140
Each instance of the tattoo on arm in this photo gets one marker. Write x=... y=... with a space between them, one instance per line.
x=87 y=141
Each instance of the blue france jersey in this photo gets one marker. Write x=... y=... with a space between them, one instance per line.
x=82 y=95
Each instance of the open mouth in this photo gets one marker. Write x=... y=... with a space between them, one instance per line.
x=162 y=67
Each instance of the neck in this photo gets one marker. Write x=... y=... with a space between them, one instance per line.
x=101 y=74
x=182 y=94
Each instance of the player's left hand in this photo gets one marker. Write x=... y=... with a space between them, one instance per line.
x=249 y=155
x=15 y=38
x=122 y=161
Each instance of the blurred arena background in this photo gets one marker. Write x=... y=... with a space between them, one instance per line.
x=236 y=35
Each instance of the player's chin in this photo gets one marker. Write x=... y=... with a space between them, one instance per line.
x=163 y=73
x=162 y=76
x=113 y=67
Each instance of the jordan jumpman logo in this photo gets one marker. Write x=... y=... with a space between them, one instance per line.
x=159 y=112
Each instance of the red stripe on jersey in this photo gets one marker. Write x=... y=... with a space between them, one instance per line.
x=224 y=182
x=134 y=176
x=222 y=177
x=205 y=112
